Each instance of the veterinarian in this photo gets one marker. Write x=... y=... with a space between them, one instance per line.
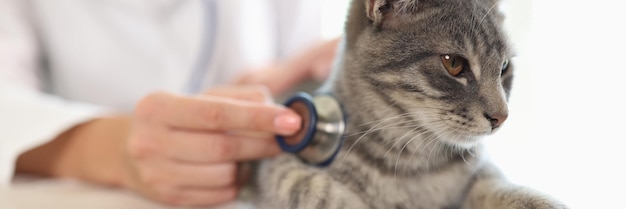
x=160 y=97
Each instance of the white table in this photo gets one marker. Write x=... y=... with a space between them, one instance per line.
x=39 y=193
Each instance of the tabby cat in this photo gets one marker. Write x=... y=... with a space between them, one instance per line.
x=422 y=81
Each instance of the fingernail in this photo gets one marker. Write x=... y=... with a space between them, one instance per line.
x=287 y=123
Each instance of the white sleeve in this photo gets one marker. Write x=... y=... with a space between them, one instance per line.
x=28 y=117
x=299 y=25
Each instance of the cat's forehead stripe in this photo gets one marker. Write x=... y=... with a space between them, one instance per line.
x=475 y=67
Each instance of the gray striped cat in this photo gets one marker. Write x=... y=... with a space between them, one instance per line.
x=422 y=81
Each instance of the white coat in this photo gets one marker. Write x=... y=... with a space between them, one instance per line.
x=63 y=62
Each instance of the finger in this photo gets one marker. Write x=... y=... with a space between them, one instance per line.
x=322 y=68
x=253 y=93
x=196 y=197
x=304 y=66
x=218 y=114
x=202 y=147
x=223 y=114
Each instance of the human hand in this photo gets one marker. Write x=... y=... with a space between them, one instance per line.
x=184 y=150
x=314 y=63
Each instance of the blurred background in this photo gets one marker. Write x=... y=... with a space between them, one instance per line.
x=565 y=133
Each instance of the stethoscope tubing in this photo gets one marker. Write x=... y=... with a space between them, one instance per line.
x=207 y=47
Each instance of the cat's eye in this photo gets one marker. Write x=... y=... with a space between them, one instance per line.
x=453 y=63
x=505 y=66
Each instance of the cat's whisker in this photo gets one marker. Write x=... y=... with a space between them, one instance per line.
x=410 y=141
x=415 y=150
x=386 y=128
x=443 y=151
x=361 y=137
x=488 y=11
x=420 y=126
x=387 y=142
x=412 y=138
x=416 y=129
x=380 y=128
x=433 y=149
x=395 y=169
x=443 y=145
x=462 y=150
x=380 y=122
x=367 y=132
x=389 y=108
x=408 y=114
x=470 y=151
x=431 y=137
x=409 y=132
x=463 y=157
x=428 y=108
x=435 y=137
x=473 y=20
x=449 y=151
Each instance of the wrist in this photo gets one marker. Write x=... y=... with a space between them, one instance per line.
x=91 y=151
x=103 y=159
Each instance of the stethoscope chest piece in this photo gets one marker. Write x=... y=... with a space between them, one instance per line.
x=323 y=126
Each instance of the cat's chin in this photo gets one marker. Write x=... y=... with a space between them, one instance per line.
x=462 y=141
x=455 y=135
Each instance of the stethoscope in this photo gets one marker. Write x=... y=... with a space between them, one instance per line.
x=323 y=127
x=323 y=120
x=209 y=36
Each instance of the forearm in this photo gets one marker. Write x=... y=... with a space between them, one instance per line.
x=92 y=151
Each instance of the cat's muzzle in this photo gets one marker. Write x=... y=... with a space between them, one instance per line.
x=323 y=126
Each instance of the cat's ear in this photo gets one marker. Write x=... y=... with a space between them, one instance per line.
x=386 y=12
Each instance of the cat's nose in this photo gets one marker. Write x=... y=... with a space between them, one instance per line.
x=496 y=119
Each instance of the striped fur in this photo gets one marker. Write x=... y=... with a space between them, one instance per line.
x=414 y=130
